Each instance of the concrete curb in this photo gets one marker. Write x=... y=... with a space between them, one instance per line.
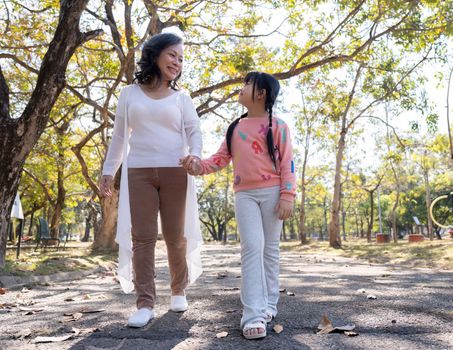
x=12 y=282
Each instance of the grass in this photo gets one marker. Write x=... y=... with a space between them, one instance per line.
x=75 y=257
x=431 y=254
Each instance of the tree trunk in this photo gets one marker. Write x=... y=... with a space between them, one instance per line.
x=86 y=236
x=428 y=205
x=227 y=185
x=334 y=225
x=18 y=136
x=302 y=233
x=105 y=239
x=284 y=232
x=370 y=222
x=58 y=206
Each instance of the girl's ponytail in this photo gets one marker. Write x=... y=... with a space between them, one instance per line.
x=229 y=134
x=270 y=137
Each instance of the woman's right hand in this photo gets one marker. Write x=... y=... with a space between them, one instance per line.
x=106 y=185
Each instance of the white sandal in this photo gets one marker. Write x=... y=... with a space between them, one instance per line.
x=254 y=325
x=269 y=317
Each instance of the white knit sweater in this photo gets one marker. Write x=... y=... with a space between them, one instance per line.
x=155 y=130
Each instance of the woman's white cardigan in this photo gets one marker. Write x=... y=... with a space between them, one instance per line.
x=192 y=230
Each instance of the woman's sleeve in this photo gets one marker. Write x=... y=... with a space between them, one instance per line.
x=192 y=126
x=217 y=161
x=114 y=156
x=287 y=169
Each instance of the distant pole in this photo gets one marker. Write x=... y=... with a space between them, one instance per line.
x=379 y=209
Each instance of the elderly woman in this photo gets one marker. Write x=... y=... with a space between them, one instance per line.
x=156 y=125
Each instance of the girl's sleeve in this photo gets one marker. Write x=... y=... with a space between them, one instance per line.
x=114 y=156
x=287 y=169
x=217 y=161
x=192 y=126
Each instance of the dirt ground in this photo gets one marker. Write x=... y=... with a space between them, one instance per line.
x=392 y=307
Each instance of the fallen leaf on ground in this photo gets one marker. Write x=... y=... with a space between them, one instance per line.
x=360 y=291
x=282 y=290
x=278 y=328
x=30 y=309
x=230 y=311
x=371 y=297
x=55 y=339
x=86 y=297
x=351 y=334
x=221 y=334
x=90 y=311
x=69 y=299
x=73 y=317
x=91 y=347
x=221 y=275
x=228 y=289
x=25 y=290
x=325 y=326
x=23 y=333
x=2 y=291
x=84 y=330
x=291 y=294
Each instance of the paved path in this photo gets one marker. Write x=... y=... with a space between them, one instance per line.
x=413 y=308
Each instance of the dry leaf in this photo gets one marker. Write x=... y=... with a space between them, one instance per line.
x=69 y=299
x=345 y=328
x=228 y=289
x=25 y=290
x=221 y=334
x=360 y=291
x=351 y=334
x=91 y=347
x=221 y=275
x=30 y=310
x=2 y=291
x=73 y=317
x=86 y=297
x=325 y=326
x=90 y=311
x=278 y=328
x=23 y=333
x=291 y=294
x=54 y=339
x=230 y=311
x=283 y=290
x=85 y=330
x=372 y=297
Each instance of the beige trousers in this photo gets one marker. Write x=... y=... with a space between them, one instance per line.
x=153 y=190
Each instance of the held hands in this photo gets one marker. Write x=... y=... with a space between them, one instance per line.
x=284 y=209
x=105 y=185
x=192 y=165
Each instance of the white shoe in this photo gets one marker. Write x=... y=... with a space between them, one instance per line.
x=140 y=317
x=178 y=303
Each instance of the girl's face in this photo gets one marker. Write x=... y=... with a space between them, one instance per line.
x=170 y=62
x=245 y=95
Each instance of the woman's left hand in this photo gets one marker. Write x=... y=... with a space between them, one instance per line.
x=284 y=209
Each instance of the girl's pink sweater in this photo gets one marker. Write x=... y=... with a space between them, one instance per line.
x=252 y=165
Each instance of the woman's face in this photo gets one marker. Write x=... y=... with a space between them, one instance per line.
x=170 y=62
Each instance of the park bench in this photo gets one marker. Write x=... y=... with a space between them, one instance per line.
x=43 y=235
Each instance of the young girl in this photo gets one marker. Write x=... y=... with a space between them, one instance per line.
x=264 y=185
